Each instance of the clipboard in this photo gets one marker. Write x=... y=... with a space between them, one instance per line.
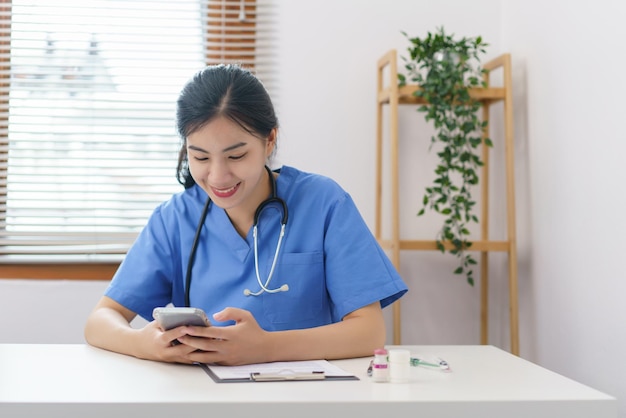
x=294 y=371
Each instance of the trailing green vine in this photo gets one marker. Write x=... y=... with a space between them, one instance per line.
x=446 y=69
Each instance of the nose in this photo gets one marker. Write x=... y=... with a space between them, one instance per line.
x=219 y=174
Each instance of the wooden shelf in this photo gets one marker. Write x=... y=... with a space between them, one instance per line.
x=432 y=245
x=391 y=95
x=406 y=94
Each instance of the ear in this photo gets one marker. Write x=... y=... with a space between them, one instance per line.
x=270 y=144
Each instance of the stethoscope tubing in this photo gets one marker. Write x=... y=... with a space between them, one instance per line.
x=257 y=214
x=194 y=250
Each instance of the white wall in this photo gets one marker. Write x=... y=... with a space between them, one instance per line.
x=570 y=65
x=568 y=108
x=327 y=110
x=46 y=311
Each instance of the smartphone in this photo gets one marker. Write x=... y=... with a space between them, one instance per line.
x=172 y=317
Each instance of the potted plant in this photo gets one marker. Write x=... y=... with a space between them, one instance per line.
x=446 y=69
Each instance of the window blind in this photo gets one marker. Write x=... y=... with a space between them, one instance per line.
x=88 y=146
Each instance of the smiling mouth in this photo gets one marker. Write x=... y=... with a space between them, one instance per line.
x=226 y=192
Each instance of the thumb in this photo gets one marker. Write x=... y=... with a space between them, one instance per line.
x=232 y=314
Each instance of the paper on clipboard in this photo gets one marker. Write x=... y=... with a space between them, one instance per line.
x=290 y=370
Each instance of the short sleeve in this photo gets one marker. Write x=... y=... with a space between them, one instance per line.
x=144 y=279
x=358 y=272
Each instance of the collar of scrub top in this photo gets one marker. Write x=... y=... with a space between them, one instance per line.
x=264 y=287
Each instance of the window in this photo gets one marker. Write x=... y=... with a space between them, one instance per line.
x=88 y=145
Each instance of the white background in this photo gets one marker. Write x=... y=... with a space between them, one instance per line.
x=568 y=66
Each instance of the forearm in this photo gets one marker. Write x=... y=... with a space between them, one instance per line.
x=358 y=335
x=108 y=328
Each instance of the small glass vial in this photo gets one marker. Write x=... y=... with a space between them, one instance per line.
x=399 y=365
x=380 y=367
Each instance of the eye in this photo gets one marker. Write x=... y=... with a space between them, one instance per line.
x=237 y=157
x=201 y=158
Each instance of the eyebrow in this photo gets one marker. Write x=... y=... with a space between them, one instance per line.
x=230 y=148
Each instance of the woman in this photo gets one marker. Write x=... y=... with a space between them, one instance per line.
x=315 y=292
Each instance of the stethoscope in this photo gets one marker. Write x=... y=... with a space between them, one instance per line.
x=264 y=287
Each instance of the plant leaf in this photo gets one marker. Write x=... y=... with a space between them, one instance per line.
x=445 y=68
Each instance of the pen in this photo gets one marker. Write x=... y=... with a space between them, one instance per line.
x=440 y=363
x=281 y=376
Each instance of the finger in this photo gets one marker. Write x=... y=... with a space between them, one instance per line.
x=173 y=335
x=232 y=314
x=211 y=332
x=200 y=343
x=177 y=354
x=211 y=357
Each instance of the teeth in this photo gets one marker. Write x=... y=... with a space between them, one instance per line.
x=226 y=190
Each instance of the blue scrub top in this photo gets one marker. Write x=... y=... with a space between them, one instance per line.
x=329 y=258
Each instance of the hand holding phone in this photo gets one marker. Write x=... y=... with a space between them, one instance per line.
x=172 y=317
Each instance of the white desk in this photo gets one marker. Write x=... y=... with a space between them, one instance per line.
x=81 y=381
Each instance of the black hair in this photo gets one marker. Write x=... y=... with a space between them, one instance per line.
x=221 y=90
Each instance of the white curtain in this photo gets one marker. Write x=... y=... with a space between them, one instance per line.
x=90 y=146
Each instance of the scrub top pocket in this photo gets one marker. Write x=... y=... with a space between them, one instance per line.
x=304 y=305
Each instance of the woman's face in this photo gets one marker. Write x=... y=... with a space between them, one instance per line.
x=229 y=164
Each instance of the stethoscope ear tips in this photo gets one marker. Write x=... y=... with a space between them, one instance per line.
x=247 y=292
x=284 y=288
